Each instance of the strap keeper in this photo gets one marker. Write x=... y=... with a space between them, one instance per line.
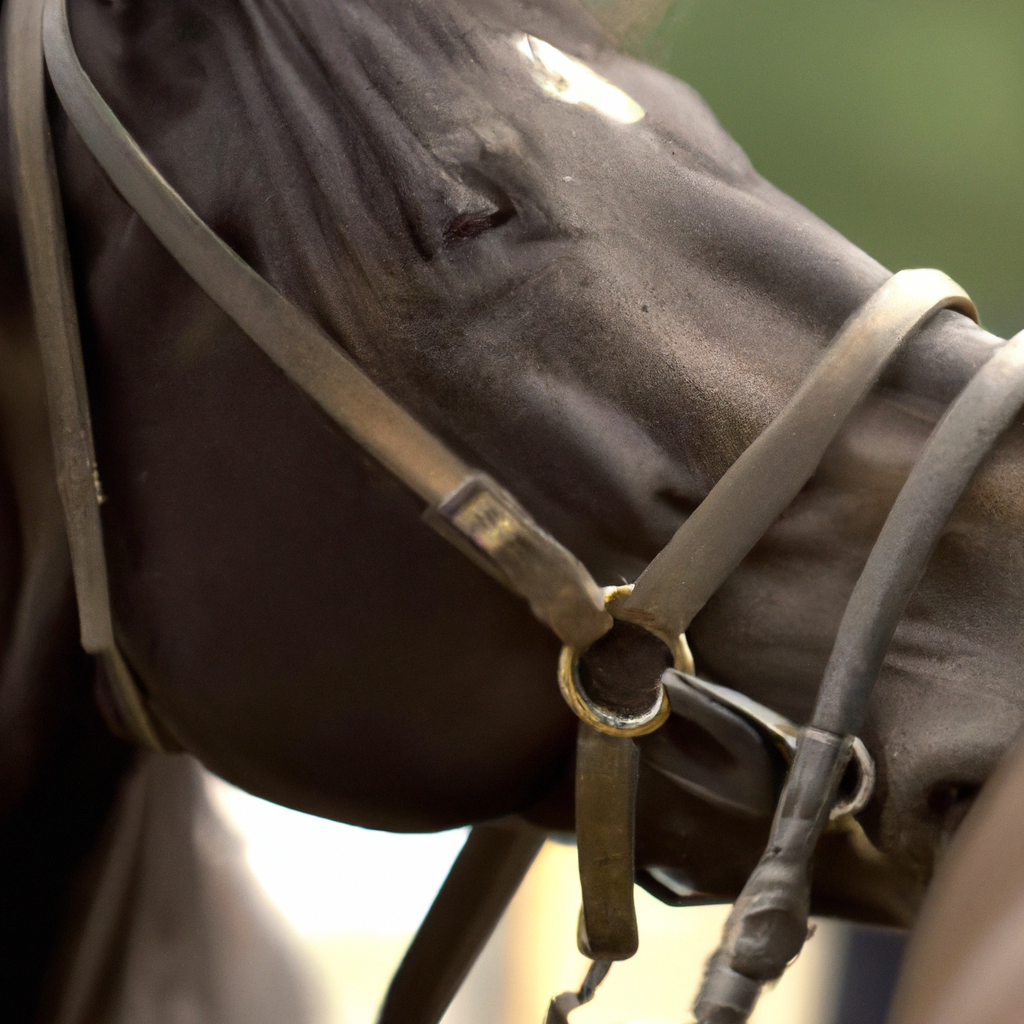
x=489 y=526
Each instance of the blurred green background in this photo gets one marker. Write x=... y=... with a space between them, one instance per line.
x=900 y=122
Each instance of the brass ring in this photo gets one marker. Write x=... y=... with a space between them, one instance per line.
x=601 y=719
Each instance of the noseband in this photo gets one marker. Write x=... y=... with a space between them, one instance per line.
x=769 y=921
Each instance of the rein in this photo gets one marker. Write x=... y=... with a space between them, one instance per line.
x=484 y=521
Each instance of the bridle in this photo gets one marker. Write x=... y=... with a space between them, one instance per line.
x=768 y=923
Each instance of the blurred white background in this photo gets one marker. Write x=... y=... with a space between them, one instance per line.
x=355 y=897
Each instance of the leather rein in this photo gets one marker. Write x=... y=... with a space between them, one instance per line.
x=484 y=521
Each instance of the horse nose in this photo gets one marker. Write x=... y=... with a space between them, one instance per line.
x=950 y=801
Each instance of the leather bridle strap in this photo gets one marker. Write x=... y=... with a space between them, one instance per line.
x=474 y=896
x=37 y=196
x=769 y=474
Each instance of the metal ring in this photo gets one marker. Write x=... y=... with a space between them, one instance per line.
x=858 y=799
x=600 y=718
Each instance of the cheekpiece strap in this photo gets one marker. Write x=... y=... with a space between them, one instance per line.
x=41 y=219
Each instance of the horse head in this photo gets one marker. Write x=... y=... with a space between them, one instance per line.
x=555 y=259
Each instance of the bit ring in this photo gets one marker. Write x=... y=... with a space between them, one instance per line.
x=600 y=718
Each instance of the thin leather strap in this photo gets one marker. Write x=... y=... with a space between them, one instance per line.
x=41 y=219
x=770 y=473
x=479 y=887
x=464 y=503
x=561 y=1006
x=288 y=336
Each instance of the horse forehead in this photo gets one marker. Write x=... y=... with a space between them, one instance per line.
x=443 y=72
x=360 y=139
x=417 y=89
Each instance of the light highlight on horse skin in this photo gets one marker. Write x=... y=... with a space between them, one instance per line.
x=571 y=81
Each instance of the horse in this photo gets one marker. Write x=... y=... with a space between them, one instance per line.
x=601 y=309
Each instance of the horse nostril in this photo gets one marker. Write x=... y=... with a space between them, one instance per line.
x=949 y=799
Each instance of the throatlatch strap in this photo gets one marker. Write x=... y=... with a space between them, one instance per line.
x=41 y=219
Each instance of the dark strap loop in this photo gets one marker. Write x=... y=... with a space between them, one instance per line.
x=607 y=770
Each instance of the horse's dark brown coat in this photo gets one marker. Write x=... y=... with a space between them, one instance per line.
x=600 y=315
